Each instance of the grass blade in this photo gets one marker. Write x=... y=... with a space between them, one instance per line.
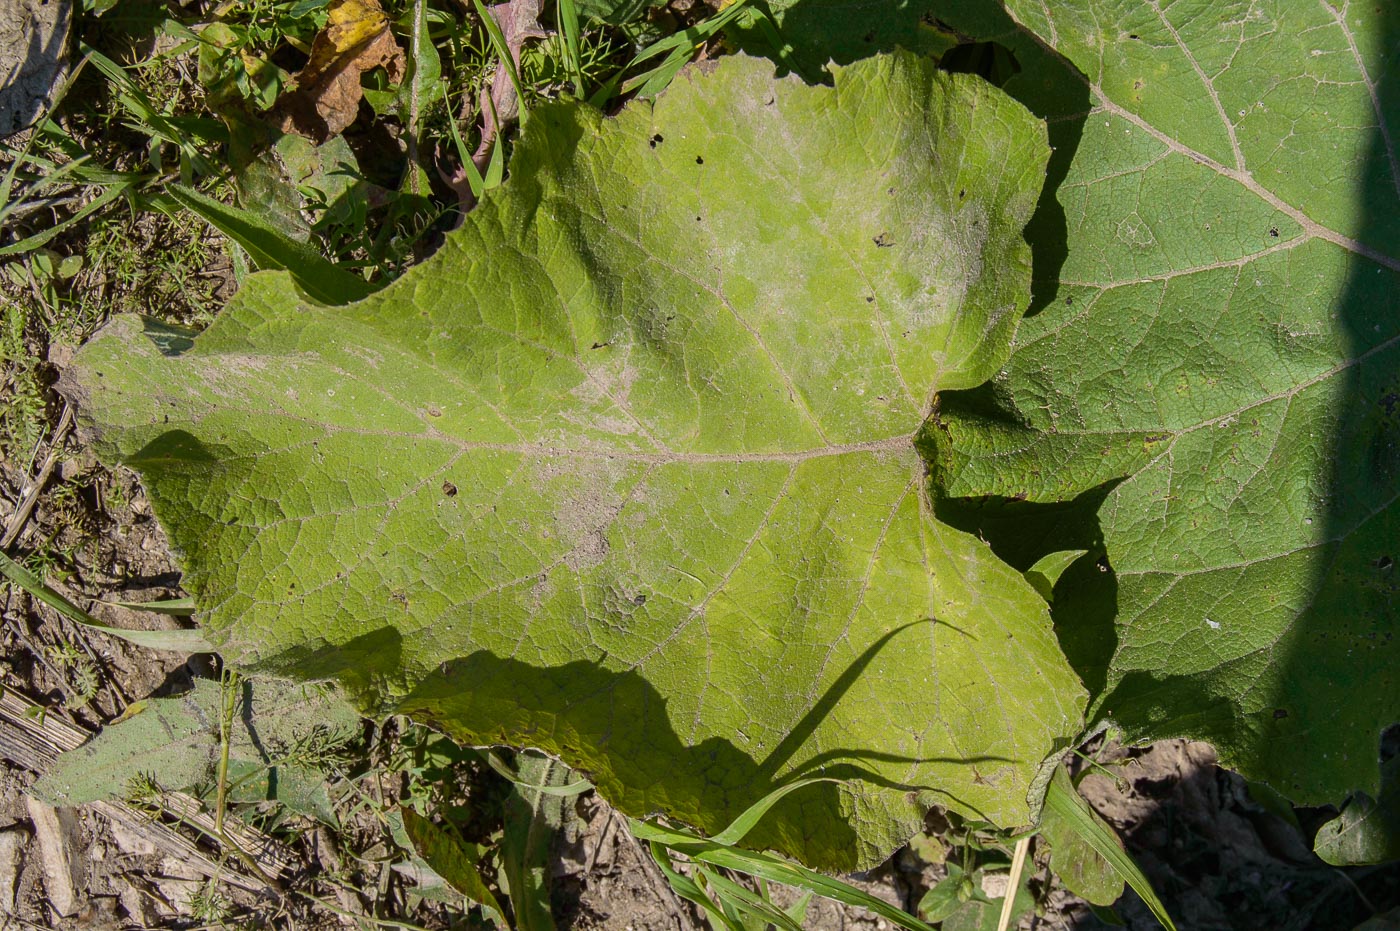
x=29 y=243
x=740 y=826
x=474 y=179
x=767 y=866
x=502 y=50
x=567 y=15
x=8 y=185
x=680 y=47
x=577 y=787
x=180 y=607
x=745 y=901
x=688 y=889
x=1065 y=801
x=148 y=118
x=496 y=165
x=269 y=247
x=177 y=641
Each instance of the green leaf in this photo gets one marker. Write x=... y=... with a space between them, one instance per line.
x=760 y=912
x=30 y=243
x=771 y=868
x=567 y=790
x=944 y=897
x=1069 y=813
x=1048 y=569
x=293 y=176
x=982 y=914
x=270 y=248
x=532 y=817
x=180 y=640
x=424 y=82
x=1217 y=341
x=1368 y=829
x=679 y=48
x=629 y=471
x=1073 y=859
x=303 y=790
x=613 y=12
x=175 y=741
x=181 y=607
x=739 y=828
x=441 y=851
x=688 y=889
x=501 y=48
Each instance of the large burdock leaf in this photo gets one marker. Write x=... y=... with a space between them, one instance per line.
x=1221 y=335
x=627 y=471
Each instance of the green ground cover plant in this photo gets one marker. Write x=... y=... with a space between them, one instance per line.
x=816 y=411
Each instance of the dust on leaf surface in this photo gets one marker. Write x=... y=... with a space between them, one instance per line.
x=1219 y=332
x=627 y=471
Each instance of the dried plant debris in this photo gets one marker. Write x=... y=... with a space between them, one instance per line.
x=327 y=97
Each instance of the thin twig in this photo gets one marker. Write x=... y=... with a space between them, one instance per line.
x=31 y=492
x=1013 y=882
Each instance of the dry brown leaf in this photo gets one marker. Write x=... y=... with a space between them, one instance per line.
x=327 y=97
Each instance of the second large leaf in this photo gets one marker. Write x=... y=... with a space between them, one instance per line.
x=627 y=471
x=1223 y=349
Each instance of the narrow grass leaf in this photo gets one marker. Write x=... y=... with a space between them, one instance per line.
x=567 y=14
x=79 y=164
x=181 y=607
x=8 y=186
x=745 y=901
x=1070 y=806
x=740 y=826
x=797 y=911
x=176 y=641
x=495 y=165
x=767 y=866
x=269 y=247
x=30 y=243
x=148 y=118
x=678 y=49
x=688 y=889
x=578 y=787
x=474 y=179
x=502 y=50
